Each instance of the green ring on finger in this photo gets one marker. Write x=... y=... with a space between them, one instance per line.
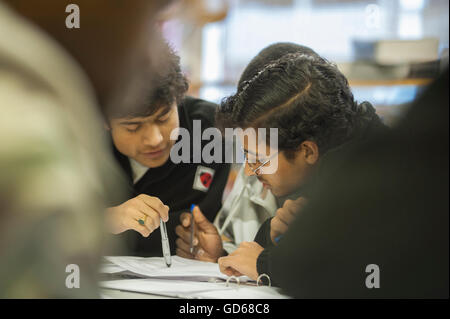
x=142 y=221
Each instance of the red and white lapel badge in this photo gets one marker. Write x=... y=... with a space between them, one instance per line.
x=203 y=178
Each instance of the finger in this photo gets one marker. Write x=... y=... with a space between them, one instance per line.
x=150 y=217
x=292 y=209
x=153 y=220
x=206 y=240
x=248 y=245
x=231 y=272
x=286 y=215
x=254 y=245
x=223 y=264
x=245 y=244
x=202 y=222
x=283 y=215
x=182 y=245
x=204 y=256
x=183 y=254
x=280 y=215
x=235 y=272
x=185 y=219
x=301 y=201
x=139 y=210
x=157 y=205
x=134 y=224
x=226 y=266
x=133 y=215
x=185 y=235
x=294 y=206
x=278 y=226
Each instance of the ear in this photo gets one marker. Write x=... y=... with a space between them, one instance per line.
x=310 y=152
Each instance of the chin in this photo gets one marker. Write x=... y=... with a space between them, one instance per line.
x=278 y=192
x=154 y=163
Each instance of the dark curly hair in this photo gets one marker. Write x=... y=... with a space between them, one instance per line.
x=167 y=85
x=270 y=54
x=304 y=96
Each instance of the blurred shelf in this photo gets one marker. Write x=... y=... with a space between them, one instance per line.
x=397 y=82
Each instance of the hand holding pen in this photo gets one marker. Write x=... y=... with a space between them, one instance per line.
x=141 y=213
x=198 y=238
x=283 y=217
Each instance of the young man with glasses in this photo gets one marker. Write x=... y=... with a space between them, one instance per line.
x=288 y=87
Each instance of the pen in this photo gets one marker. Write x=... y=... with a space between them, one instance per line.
x=165 y=243
x=192 y=228
x=277 y=239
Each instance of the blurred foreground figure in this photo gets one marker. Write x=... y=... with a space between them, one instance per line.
x=387 y=206
x=55 y=172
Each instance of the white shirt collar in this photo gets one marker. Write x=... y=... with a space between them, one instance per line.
x=138 y=170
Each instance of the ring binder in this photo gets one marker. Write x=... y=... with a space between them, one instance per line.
x=235 y=278
x=260 y=278
x=213 y=280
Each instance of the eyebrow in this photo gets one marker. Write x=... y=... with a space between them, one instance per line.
x=165 y=111
x=130 y=122
x=136 y=122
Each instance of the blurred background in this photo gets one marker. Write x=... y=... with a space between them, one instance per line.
x=388 y=49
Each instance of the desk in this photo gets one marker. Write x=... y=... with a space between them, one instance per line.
x=119 y=294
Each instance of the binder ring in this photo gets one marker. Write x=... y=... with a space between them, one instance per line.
x=259 y=279
x=235 y=278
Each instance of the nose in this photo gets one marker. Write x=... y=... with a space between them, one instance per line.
x=152 y=136
x=247 y=170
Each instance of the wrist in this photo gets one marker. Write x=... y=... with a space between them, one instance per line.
x=111 y=220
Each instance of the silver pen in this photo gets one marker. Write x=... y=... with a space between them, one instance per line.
x=192 y=229
x=165 y=243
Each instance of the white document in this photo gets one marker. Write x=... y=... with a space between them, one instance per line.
x=192 y=289
x=111 y=269
x=186 y=278
x=181 y=268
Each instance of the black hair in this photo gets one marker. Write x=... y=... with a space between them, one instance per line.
x=304 y=96
x=271 y=53
x=167 y=85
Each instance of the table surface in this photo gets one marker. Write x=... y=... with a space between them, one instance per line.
x=120 y=294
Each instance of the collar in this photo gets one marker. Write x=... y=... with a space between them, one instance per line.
x=137 y=170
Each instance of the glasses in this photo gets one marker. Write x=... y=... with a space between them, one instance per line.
x=256 y=170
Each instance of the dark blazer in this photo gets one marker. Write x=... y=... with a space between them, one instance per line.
x=385 y=203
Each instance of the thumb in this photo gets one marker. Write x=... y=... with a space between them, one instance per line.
x=201 y=221
x=185 y=219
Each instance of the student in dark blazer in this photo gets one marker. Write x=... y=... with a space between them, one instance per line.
x=383 y=230
x=159 y=186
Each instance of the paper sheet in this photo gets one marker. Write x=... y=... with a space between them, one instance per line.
x=181 y=268
x=191 y=289
x=186 y=278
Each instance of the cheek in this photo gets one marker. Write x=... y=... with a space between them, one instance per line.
x=125 y=143
x=168 y=128
x=275 y=179
x=285 y=175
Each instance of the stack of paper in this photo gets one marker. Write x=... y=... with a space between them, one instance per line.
x=186 y=278
x=193 y=289
x=155 y=267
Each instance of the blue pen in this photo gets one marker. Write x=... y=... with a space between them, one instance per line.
x=277 y=239
x=192 y=228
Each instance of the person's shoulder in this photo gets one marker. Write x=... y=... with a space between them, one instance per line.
x=198 y=109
